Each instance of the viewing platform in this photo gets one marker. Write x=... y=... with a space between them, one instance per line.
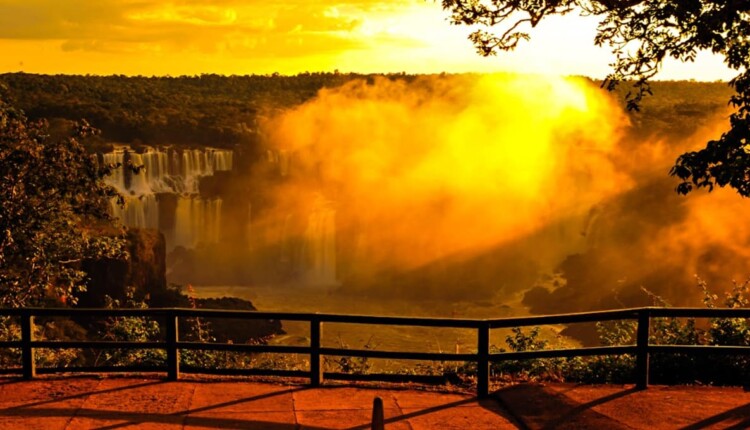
x=93 y=402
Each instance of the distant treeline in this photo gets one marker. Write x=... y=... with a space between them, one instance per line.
x=222 y=111
x=207 y=110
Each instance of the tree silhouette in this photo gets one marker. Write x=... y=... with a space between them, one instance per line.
x=641 y=34
x=54 y=211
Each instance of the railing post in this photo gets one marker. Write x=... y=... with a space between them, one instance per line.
x=483 y=360
x=27 y=352
x=378 y=419
x=316 y=368
x=173 y=354
x=641 y=359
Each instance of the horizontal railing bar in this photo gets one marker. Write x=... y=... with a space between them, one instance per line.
x=369 y=353
x=385 y=320
x=239 y=347
x=241 y=314
x=155 y=312
x=81 y=312
x=246 y=372
x=385 y=377
x=563 y=353
x=102 y=369
x=595 y=316
x=10 y=344
x=700 y=349
x=700 y=312
x=281 y=349
x=401 y=321
x=98 y=344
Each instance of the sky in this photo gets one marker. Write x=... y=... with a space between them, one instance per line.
x=189 y=37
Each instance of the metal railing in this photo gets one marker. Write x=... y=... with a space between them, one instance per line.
x=483 y=357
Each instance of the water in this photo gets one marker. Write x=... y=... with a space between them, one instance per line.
x=380 y=337
x=169 y=172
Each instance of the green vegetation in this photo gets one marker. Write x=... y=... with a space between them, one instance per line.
x=54 y=211
x=129 y=329
x=206 y=110
x=54 y=222
x=664 y=368
x=221 y=111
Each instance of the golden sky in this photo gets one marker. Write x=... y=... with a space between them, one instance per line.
x=178 y=37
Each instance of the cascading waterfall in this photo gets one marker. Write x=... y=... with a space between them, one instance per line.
x=139 y=211
x=170 y=172
x=196 y=221
x=319 y=253
x=165 y=195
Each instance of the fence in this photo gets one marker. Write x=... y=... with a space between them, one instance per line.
x=173 y=345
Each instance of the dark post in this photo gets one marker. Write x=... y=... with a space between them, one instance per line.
x=483 y=360
x=173 y=354
x=316 y=370
x=378 y=420
x=27 y=352
x=641 y=359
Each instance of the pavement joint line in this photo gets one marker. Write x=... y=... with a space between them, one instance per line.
x=189 y=406
x=236 y=402
x=294 y=409
x=401 y=412
x=78 y=409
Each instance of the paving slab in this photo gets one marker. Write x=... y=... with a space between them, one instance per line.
x=249 y=420
x=139 y=396
x=231 y=397
x=539 y=407
x=471 y=417
x=336 y=398
x=664 y=407
x=412 y=399
x=153 y=404
x=17 y=392
x=347 y=419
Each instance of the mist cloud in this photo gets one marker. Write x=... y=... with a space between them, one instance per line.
x=440 y=167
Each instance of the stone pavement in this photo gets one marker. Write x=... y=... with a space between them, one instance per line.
x=122 y=403
x=105 y=403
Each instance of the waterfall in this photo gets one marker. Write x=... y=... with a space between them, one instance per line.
x=320 y=245
x=281 y=159
x=169 y=171
x=139 y=211
x=117 y=178
x=196 y=221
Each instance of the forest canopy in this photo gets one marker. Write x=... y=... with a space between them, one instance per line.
x=223 y=111
x=54 y=212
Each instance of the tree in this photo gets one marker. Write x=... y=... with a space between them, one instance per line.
x=54 y=211
x=642 y=33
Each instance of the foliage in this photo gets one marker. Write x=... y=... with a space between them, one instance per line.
x=520 y=341
x=641 y=34
x=129 y=329
x=199 y=330
x=54 y=205
x=50 y=329
x=225 y=110
x=347 y=364
x=198 y=110
x=664 y=368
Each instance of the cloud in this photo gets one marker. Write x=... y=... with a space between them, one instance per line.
x=256 y=28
